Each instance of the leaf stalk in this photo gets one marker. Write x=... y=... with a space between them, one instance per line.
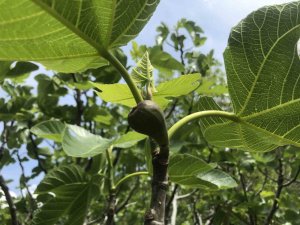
x=122 y=180
x=124 y=73
x=198 y=115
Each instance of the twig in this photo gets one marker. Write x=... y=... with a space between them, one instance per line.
x=170 y=201
x=79 y=104
x=31 y=200
x=263 y=184
x=266 y=174
x=292 y=180
x=174 y=210
x=172 y=109
x=197 y=216
x=129 y=196
x=243 y=183
x=275 y=206
x=3 y=140
x=35 y=147
x=118 y=155
x=180 y=197
x=11 y=205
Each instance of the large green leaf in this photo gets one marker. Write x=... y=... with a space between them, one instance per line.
x=263 y=67
x=78 y=142
x=191 y=171
x=72 y=191
x=120 y=93
x=69 y=35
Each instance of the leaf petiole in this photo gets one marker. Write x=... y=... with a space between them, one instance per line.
x=124 y=73
x=198 y=115
x=129 y=176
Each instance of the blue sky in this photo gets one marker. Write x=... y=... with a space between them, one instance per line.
x=216 y=17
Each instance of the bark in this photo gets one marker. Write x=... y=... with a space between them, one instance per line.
x=111 y=209
x=156 y=214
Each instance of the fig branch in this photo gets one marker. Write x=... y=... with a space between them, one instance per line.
x=147 y=118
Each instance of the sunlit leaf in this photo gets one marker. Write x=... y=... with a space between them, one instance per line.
x=128 y=140
x=78 y=142
x=69 y=36
x=262 y=67
x=72 y=190
x=51 y=129
x=120 y=93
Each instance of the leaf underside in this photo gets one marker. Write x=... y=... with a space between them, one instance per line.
x=69 y=35
x=73 y=192
x=262 y=66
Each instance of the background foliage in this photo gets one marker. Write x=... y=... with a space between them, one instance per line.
x=209 y=185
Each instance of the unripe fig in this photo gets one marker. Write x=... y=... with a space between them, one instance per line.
x=147 y=118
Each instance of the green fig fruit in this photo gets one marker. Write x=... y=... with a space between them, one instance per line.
x=147 y=118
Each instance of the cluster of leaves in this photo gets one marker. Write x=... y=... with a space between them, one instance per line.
x=84 y=146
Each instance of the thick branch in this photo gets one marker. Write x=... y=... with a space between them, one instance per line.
x=111 y=209
x=35 y=147
x=156 y=214
x=12 y=207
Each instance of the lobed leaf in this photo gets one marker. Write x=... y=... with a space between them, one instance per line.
x=69 y=36
x=72 y=191
x=262 y=67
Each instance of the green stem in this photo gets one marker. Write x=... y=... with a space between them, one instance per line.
x=124 y=73
x=110 y=168
x=129 y=176
x=198 y=115
x=111 y=204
